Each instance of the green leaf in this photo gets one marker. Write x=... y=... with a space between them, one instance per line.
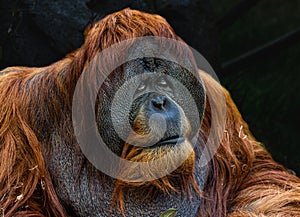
x=169 y=213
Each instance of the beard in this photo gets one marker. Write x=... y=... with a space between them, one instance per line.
x=165 y=169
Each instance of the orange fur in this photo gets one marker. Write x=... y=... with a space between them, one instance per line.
x=243 y=178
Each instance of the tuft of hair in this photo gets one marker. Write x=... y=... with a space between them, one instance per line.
x=179 y=180
x=243 y=178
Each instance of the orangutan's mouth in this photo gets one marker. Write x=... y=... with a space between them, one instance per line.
x=173 y=140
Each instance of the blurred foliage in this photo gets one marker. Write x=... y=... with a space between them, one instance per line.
x=266 y=92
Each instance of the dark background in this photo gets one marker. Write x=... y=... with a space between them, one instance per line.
x=253 y=45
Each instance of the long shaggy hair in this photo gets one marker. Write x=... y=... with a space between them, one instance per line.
x=243 y=179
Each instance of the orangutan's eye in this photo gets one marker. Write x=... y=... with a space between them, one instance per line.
x=162 y=82
x=141 y=87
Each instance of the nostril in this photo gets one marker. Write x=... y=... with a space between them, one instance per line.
x=158 y=102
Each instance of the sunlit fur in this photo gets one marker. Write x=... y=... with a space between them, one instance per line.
x=243 y=179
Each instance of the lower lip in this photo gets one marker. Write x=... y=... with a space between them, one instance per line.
x=171 y=141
